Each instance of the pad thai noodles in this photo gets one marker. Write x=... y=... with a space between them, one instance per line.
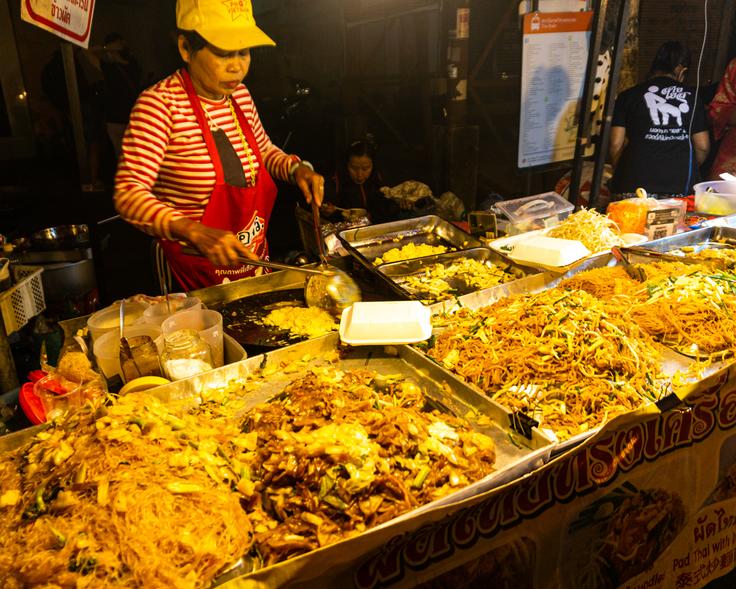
x=341 y=452
x=124 y=496
x=140 y=495
x=693 y=312
x=558 y=356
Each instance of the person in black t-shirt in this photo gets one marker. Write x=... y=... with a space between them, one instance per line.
x=653 y=124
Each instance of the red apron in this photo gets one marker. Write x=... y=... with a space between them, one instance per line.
x=244 y=211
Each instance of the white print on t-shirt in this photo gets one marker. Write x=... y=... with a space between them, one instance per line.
x=660 y=105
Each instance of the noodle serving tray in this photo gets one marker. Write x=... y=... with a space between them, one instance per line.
x=398 y=274
x=366 y=244
x=698 y=239
x=515 y=456
x=672 y=361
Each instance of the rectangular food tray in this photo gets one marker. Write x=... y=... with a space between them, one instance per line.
x=698 y=238
x=397 y=273
x=672 y=361
x=371 y=242
x=515 y=456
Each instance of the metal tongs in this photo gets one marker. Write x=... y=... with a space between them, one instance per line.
x=635 y=272
x=642 y=251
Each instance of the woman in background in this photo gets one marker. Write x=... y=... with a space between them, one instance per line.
x=356 y=184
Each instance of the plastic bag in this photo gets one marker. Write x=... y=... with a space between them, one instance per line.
x=450 y=207
x=410 y=191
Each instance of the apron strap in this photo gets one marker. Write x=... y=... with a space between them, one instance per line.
x=203 y=124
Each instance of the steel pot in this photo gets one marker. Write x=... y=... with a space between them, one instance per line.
x=61 y=237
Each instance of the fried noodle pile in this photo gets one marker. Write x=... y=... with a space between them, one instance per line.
x=558 y=356
x=141 y=495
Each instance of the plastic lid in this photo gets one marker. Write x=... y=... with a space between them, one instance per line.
x=31 y=404
x=385 y=322
x=538 y=206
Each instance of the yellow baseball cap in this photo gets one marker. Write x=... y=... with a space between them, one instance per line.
x=226 y=24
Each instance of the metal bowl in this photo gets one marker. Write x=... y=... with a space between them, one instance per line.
x=61 y=237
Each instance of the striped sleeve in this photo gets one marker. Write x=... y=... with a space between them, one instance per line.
x=144 y=148
x=276 y=161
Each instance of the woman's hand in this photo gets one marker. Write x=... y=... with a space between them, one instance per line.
x=221 y=247
x=310 y=183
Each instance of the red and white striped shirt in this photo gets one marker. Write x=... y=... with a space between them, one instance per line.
x=165 y=171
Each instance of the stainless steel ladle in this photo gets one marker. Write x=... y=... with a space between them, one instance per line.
x=327 y=287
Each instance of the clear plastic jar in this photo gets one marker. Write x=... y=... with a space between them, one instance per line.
x=185 y=354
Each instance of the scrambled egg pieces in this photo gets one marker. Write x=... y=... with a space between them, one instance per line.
x=302 y=321
x=409 y=251
x=473 y=273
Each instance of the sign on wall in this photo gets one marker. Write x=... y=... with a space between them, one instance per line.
x=69 y=19
x=554 y=59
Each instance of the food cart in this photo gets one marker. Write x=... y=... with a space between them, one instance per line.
x=637 y=495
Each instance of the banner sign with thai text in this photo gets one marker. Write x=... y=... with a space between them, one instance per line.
x=69 y=19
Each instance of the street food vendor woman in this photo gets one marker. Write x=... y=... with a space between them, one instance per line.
x=196 y=165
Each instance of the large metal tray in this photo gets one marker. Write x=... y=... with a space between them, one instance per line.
x=698 y=238
x=672 y=361
x=368 y=243
x=515 y=456
x=397 y=273
x=440 y=384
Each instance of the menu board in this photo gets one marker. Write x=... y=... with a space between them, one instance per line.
x=554 y=59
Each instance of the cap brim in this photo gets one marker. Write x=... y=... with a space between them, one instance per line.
x=227 y=39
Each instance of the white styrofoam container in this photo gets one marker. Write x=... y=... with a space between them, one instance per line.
x=385 y=322
x=549 y=251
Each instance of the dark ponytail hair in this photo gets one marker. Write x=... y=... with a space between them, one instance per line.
x=668 y=57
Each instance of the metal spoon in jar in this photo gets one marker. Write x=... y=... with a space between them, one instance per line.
x=125 y=351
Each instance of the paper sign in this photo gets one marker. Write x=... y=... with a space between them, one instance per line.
x=554 y=60
x=69 y=19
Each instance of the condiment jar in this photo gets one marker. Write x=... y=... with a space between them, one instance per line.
x=139 y=358
x=185 y=354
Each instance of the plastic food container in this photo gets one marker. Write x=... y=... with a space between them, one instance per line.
x=158 y=313
x=385 y=322
x=717 y=197
x=534 y=212
x=109 y=318
x=548 y=251
x=57 y=399
x=207 y=323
